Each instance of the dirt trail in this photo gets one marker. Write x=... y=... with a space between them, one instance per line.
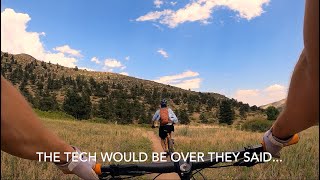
x=156 y=147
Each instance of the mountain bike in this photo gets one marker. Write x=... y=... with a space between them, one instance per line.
x=169 y=142
x=185 y=169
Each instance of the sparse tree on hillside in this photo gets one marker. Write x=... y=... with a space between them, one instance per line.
x=106 y=109
x=48 y=102
x=243 y=112
x=184 y=117
x=76 y=105
x=203 y=119
x=272 y=113
x=254 y=108
x=226 y=113
x=211 y=103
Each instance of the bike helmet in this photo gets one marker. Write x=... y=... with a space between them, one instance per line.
x=163 y=103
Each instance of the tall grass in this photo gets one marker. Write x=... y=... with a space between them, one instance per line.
x=300 y=161
x=90 y=137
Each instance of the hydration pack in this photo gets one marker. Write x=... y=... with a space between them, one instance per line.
x=164 y=116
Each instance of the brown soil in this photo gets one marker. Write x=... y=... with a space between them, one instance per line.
x=156 y=146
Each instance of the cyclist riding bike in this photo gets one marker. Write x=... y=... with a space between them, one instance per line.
x=167 y=119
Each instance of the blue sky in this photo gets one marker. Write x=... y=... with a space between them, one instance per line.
x=245 y=49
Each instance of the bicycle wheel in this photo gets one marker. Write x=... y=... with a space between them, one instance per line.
x=170 y=145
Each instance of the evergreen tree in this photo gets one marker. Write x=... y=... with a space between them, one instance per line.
x=254 y=108
x=272 y=113
x=48 y=103
x=78 y=106
x=184 y=117
x=242 y=112
x=226 y=114
x=203 y=119
x=190 y=108
x=106 y=109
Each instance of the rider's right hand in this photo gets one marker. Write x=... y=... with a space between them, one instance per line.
x=83 y=169
x=273 y=144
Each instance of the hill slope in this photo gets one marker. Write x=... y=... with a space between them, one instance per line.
x=106 y=95
x=278 y=104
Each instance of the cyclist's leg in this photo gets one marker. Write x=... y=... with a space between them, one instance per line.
x=162 y=135
x=164 y=144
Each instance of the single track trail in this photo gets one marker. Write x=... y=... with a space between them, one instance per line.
x=156 y=147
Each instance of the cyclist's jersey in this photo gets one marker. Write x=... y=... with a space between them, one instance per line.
x=172 y=116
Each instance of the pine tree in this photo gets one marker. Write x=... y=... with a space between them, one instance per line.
x=226 y=114
x=48 y=102
x=272 y=113
x=184 y=117
x=78 y=106
x=203 y=119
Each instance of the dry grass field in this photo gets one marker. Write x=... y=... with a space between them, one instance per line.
x=91 y=137
x=299 y=161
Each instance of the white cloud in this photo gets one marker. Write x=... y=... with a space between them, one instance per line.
x=189 y=84
x=152 y=16
x=124 y=73
x=158 y=3
x=163 y=53
x=173 y=78
x=67 y=50
x=185 y=80
x=96 y=60
x=59 y=58
x=275 y=88
x=127 y=58
x=110 y=64
x=201 y=10
x=85 y=68
x=16 y=39
x=113 y=63
x=260 y=97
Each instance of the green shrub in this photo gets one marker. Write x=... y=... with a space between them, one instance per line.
x=257 y=125
x=272 y=112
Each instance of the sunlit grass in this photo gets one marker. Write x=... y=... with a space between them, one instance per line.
x=300 y=161
x=90 y=137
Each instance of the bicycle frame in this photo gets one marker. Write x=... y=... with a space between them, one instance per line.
x=169 y=143
x=183 y=168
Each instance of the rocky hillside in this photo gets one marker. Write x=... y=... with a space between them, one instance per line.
x=106 y=95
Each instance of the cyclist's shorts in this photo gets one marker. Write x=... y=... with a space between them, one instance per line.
x=163 y=130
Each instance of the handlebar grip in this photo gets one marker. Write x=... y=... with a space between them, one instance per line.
x=97 y=169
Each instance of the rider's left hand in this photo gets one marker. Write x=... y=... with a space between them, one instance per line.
x=83 y=169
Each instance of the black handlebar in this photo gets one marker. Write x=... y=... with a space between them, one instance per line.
x=184 y=169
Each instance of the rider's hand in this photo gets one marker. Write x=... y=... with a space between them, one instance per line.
x=273 y=144
x=83 y=169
